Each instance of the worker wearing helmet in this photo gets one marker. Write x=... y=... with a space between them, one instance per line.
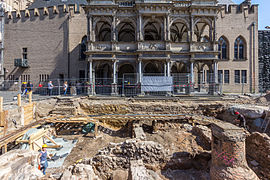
x=242 y=119
x=42 y=159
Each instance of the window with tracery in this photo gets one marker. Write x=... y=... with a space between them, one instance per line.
x=239 y=48
x=223 y=48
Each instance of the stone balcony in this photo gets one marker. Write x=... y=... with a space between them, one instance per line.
x=153 y=46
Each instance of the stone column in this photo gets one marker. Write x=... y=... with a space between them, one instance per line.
x=191 y=82
x=90 y=28
x=91 y=85
x=214 y=30
x=168 y=68
x=192 y=72
x=168 y=28
x=165 y=28
x=140 y=71
x=114 y=28
x=229 y=153
x=191 y=29
x=114 y=84
x=216 y=72
x=140 y=28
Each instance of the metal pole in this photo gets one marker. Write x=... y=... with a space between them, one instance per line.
x=123 y=86
x=58 y=80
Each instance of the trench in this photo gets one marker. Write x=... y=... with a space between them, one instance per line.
x=183 y=130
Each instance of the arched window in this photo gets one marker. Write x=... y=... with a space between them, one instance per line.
x=83 y=47
x=223 y=48
x=126 y=32
x=201 y=32
x=152 y=31
x=179 y=32
x=103 y=31
x=239 y=48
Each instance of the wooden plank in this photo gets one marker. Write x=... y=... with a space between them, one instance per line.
x=5 y=123
x=19 y=100
x=30 y=97
x=54 y=146
x=34 y=142
x=2 y=119
x=21 y=141
x=1 y=104
x=37 y=135
x=50 y=139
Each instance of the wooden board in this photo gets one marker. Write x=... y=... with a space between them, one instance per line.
x=28 y=113
x=2 y=119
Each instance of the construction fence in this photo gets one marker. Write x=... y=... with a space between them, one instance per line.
x=127 y=85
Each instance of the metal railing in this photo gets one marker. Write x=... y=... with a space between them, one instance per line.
x=129 y=85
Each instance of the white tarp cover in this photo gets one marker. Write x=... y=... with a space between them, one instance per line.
x=156 y=83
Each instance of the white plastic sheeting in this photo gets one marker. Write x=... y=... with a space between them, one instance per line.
x=157 y=84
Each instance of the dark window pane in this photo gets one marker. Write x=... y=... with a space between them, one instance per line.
x=224 y=50
x=241 y=51
x=244 y=76
x=220 y=76
x=226 y=76
x=237 y=76
x=235 y=50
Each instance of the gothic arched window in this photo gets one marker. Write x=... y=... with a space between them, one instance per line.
x=223 y=48
x=152 y=31
x=103 y=31
x=239 y=48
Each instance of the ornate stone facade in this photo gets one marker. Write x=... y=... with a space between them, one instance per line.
x=199 y=43
x=172 y=38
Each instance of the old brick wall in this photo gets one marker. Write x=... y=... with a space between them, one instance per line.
x=264 y=60
x=233 y=22
x=49 y=36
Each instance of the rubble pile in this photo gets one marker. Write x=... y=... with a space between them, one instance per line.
x=204 y=136
x=118 y=155
x=258 y=149
x=79 y=171
x=19 y=164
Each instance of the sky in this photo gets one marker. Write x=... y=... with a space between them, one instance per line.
x=264 y=12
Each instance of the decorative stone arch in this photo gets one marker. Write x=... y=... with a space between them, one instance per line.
x=103 y=28
x=206 y=71
x=126 y=30
x=126 y=68
x=179 y=29
x=202 y=28
x=152 y=31
x=153 y=67
x=179 y=19
x=223 y=47
x=240 y=48
x=103 y=70
x=179 y=67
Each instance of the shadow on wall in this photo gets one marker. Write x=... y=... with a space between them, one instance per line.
x=187 y=167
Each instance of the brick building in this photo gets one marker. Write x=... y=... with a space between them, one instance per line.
x=199 y=44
